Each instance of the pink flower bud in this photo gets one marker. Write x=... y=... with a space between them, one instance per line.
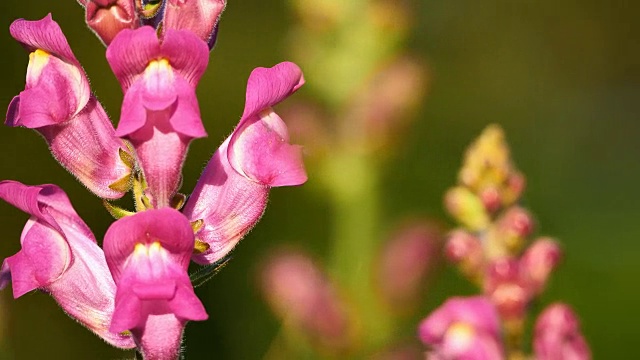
x=538 y=261
x=557 y=335
x=108 y=17
x=516 y=221
x=506 y=289
x=465 y=249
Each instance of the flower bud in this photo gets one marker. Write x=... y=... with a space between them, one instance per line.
x=506 y=289
x=466 y=208
x=538 y=261
x=465 y=249
x=107 y=17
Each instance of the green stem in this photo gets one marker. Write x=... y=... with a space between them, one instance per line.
x=353 y=180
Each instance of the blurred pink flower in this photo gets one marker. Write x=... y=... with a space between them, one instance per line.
x=557 y=335
x=298 y=290
x=463 y=329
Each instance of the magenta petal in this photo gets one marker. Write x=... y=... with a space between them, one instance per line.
x=261 y=151
x=188 y=55
x=56 y=87
x=269 y=86
x=60 y=256
x=259 y=147
x=228 y=203
x=166 y=226
x=130 y=53
x=198 y=16
x=43 y=34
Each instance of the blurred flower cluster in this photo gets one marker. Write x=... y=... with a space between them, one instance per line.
x=135 y=291
x=363 y=90
x=492 y=248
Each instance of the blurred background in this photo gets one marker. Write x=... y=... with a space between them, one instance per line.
x=561 y=77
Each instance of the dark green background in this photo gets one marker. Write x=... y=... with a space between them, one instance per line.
x=562 y=77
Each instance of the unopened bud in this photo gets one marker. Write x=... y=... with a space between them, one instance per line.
x=466 y=208
x=538 y=261
x=506 y=289
x=107 y=17
x=465 y=249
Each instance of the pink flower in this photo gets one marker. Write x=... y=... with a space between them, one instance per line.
x=557 y=335
x=160 y=113
x=463 y=329
x=60 y=256
x=57 y=102
x=148 y=254
x=231 y=194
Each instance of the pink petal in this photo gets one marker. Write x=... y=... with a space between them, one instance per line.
x=57 y=88
x=43 y=34
x=167 y=226
x=130 y=53
x=259 y=147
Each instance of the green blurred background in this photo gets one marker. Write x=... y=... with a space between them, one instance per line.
x=561 y=77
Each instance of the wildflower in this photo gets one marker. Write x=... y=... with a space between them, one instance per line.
x=57 y=103
x=231 y=194
x=60 y=256
x=148 y=254
x=160 y=113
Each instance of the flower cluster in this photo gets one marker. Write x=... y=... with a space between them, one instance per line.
x=135 y=291
x=490 y=248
